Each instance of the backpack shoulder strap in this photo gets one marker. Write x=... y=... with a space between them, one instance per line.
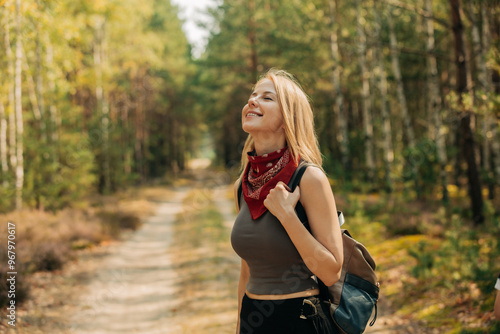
x=294 y=182
x=297 y=175
x=240 y=192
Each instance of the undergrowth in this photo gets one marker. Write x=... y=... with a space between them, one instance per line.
x=45 y=241
x=434 y=265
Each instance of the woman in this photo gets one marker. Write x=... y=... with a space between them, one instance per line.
x=279 y=256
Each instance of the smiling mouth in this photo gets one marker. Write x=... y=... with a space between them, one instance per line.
x=252 y=114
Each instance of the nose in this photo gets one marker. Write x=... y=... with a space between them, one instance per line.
x=252 y=101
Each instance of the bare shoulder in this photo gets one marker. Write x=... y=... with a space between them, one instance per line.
x=314 y=177
x=315 y=189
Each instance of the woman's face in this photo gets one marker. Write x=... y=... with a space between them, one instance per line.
x=262 y=112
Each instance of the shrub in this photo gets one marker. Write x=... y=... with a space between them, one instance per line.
x=49 y=256
x=22 y=287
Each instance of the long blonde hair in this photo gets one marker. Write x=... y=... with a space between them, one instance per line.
x=297 y=117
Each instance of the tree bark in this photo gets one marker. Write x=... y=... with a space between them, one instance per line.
x=3 y=117
x=342 y=133
x=465 y=131
x=410 y=135
x=39 y=76
x=102 y=103
x=365 y=93
x=11 y=101
x=55 y=120
x=482 y=92
x=3 y=146
x=384 y=108
x=19 y=111
x=252 y=39
x=434 y=103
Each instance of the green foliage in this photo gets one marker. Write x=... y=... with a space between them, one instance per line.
x=59 y=175
x=464 y=255
x=105 y=94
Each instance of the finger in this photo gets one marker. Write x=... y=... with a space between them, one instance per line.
x=296 y=192
x=284 y=185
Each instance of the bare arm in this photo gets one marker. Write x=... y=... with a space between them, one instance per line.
x=322 y=251
x=244 y=272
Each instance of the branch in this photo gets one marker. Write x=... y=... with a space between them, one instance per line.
x=420 y=11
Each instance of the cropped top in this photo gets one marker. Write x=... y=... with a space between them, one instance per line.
x=276 y=267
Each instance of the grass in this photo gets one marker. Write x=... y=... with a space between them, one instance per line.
x=207 y=264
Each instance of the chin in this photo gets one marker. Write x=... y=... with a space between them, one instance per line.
x=247 y=127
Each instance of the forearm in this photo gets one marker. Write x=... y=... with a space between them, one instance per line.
x=315 y=255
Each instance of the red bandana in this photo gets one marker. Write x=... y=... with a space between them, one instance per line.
x=263 y=174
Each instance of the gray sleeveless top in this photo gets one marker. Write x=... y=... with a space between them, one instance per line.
x=276 y=267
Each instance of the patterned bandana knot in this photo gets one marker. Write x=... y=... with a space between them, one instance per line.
x=263 y=174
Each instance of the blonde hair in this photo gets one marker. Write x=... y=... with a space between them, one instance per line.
x=298 y=119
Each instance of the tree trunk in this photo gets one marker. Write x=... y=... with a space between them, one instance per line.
x=55 y=121
x=434 y=102
x=410 y=135
x=12 y=101
x=39 y=77
x=365 y=93
x=252 y=39
x=19 y=112
x=493 y=27
x=3 y=146
x=384 y=109
x=465 y=131
x=342 y=133
x=3 y=117
x=482 y=91
x=102 y=103
x=33 y=96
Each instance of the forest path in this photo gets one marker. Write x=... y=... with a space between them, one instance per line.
x=134 y=289
x=156 y=281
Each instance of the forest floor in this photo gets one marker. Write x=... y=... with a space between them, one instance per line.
x=176 y=274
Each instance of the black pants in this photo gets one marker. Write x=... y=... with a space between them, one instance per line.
x=284 y=316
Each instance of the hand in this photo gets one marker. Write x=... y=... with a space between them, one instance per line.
x=281 y=201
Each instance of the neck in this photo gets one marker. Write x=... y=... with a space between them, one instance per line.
x=268 y=145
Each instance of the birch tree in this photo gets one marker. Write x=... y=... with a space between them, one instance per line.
x=342 y=133
x=365 y=94
x=102 y=102
x=403 y=107
x=384 y=109
x=434 y=100
x=11 y=96
x=19 y=111
x=3 y=145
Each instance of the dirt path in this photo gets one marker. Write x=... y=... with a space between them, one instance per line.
x=135 y=289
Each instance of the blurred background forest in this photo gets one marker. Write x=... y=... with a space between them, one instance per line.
x=97 y=96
